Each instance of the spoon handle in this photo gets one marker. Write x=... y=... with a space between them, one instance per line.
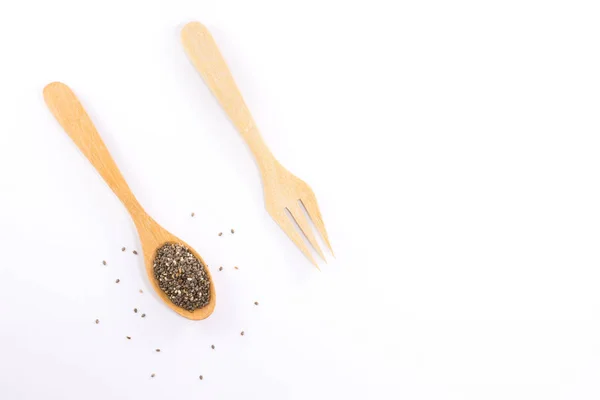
x=206 y=57
x=71 y=115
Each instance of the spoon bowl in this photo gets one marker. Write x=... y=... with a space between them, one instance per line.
x=71 y=115
x=153 y=237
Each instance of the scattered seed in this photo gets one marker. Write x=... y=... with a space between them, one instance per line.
x=143 y=315
x=220 y=268
x=242 y=333
x=135 y=310
x=103 y=262
x=128 y=337
x=135 y=252
x=220 y=233
x=117 y=281
x=182 y=277
x=193 y=214
x=201 y=377
x=152 y=376
x=212 y=347
x=122 y=248
x=256 y=303
x=232 y=231
x=158 y=350
x=141 y=291
x=97 y=321
x=236 y=267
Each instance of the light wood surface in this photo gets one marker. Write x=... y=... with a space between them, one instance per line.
x=71 y=115
x=283 y=191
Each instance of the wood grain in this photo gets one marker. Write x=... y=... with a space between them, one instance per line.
x=71 y=115
x=283 y=191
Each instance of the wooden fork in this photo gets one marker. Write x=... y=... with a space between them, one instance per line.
x=283 y=191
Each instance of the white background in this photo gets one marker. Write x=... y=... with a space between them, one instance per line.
x=453 y=147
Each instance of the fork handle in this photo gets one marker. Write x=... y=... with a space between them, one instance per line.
x=71 y=115
x=206 y=57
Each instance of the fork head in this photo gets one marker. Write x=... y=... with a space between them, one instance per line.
x=289 y=200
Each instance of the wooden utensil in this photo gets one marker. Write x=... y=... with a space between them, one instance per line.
x=69 y=112
x=283 y=191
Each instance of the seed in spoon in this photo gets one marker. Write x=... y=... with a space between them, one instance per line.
x=135 y=310
x=152 y=376
x=104 y=262
x=122 y=248
x=256 y=303
x=97 y=321
x=117 y=281
x=201 y=377
x=182 y=277
x=232 y=231
x=193 y=214
x=143 y=315
x=220 y=233
x=212 y=347
x=242 y=333
x=158 y=350
x=128 y=337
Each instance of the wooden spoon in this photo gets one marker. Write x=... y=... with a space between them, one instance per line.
x=69 y=112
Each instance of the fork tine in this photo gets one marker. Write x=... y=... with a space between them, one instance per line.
x=290 y=229
x=298 y=215
x=310 y=205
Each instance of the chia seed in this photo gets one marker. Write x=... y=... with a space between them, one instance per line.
x=182 y=277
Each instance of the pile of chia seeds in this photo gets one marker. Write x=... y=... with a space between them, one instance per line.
x=182 y=276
